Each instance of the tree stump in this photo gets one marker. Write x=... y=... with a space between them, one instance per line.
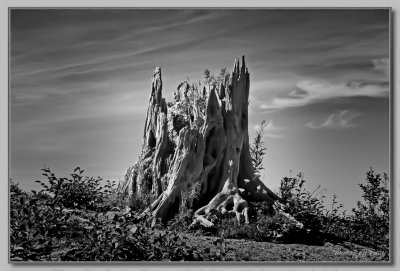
x=211 y=161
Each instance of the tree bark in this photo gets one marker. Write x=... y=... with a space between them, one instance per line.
x=212 y=161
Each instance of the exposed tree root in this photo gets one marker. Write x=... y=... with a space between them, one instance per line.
x=226 y=202
x=212 y=161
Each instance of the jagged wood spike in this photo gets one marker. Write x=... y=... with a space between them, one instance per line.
x=214 y=158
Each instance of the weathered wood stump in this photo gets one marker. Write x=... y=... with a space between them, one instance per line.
x=211 y=161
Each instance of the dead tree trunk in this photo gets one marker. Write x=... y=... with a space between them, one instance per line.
x=212 y=161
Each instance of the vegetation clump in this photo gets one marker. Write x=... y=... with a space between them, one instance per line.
x=47 y=225
x=77 y=219
x=80 y=218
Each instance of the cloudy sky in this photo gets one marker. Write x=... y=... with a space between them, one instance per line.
x=80 y=84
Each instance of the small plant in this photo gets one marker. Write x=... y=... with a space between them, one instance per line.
x=77 y=191
x=370 y=224
x=139 y=203
x=182 y=220
x=189 y=107
x=211 y=80
x=48 y=226
x=308 y=208
x=258 y=149
x=305 y=206
x=220 y=243
x=35 y=225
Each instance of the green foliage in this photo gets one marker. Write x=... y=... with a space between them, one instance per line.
x=184 y=218
x=62 y=223
x=258 y=149
x=376 y=196
x=278 y=227
x=370 y=223
x=87 y=193
x=126 y=239
x=305 y=206
x=181 y=221
x=35 y=225
x=79 y=219
x=212 y=80
x=262 y=228
x=138 y=203
x=320 y=224
x=191 y=109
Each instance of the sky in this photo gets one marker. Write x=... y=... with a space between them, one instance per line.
x=80 y=81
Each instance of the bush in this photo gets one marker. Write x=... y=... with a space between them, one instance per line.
x=305 y=206
x=75 y=219
x=320 y=225
x=192 y=108
x=77 y=191
x=126 y=239
x=367 y=226
x=264 y=225
x=181 y=221
x=69 y=220
x=35 y=225
x=139 y=203
x=370 y=222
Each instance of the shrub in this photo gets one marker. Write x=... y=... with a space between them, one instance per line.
x=320 y=224
x=138 y=203
x=44 y=228
x=258 y=149
x=215 y=80
x=181 y=221
x=305 y=206
x=126 y=239
x=264 y=228
x=77 y=191
x=370 y=223
x=35 y=225
x=192 y=109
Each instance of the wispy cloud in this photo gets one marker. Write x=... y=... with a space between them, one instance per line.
x=382 y=64
x=81 y=79
x=312 y=91
x=340 y=120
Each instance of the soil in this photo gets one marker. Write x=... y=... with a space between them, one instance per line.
x=247 y=250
